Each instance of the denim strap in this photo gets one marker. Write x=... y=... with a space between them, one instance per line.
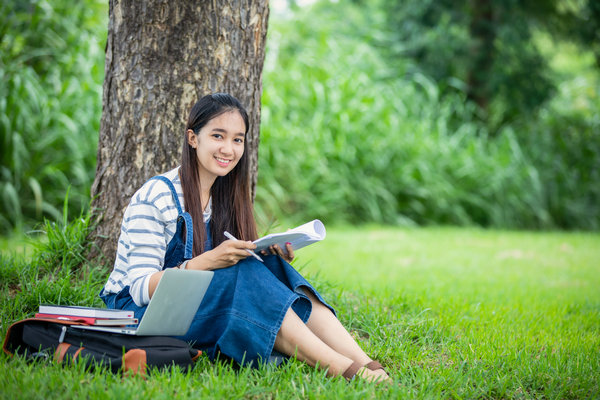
x=187 y=218
x=189 y=234
x=173 y=191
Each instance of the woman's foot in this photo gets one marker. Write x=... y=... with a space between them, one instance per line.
x=380 y=374
x=372 y=372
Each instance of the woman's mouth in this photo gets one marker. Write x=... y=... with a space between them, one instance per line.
x=223 y=162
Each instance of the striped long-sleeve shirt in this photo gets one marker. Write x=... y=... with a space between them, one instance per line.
x=149 y=224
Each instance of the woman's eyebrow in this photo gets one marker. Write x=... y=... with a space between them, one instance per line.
x=226 y=131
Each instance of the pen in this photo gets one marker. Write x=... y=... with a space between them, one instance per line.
x=253 y=254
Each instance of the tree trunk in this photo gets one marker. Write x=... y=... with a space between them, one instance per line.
x=482 y=51
x=162 y=56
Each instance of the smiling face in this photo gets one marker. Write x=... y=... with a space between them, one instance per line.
x=219 y=145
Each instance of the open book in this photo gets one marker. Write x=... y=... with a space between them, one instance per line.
x=299 y=237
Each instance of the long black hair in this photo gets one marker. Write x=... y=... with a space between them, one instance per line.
x=232 y=209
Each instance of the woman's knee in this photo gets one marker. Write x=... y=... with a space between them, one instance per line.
x=317 y=304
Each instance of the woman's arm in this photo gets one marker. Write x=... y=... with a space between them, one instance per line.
x=143 y=234
x=228 y=253
x=153 y=283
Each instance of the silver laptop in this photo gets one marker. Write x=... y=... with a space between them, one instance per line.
x=172 y=307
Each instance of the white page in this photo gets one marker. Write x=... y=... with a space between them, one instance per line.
x=299 y=237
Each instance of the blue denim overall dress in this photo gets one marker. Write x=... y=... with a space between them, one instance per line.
x=244 y=305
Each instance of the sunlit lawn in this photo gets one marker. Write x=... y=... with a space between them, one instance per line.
x=515 y=310
x=452 y=313
x=18 y=244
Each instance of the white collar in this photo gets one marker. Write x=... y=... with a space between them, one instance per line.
x=207 y=211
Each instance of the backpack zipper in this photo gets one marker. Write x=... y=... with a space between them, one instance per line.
x=62 y=334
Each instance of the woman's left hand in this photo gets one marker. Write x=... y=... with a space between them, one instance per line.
x=287 y=255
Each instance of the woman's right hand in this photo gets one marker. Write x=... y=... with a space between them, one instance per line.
x=228 y=253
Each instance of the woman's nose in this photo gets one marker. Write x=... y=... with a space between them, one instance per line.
x=226 y=148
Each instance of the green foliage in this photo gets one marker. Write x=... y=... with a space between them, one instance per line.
x=564 y=147
x=344 y=137
x=580 y=22
x=483 y=48
x=51 y=66
x=347 y=134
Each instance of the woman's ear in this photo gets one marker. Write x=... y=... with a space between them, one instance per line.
x=192 y=138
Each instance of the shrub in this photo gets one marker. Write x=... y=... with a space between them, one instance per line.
x=347 y=137
x=51 y=59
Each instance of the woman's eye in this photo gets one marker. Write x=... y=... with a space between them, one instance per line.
x=239 y=140
x=217 y=136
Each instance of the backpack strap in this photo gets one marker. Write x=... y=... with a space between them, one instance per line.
x=187 y=218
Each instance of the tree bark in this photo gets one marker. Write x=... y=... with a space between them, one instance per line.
x=482 y=51
x=162 y=56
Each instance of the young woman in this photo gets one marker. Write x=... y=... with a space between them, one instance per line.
x=251 y=309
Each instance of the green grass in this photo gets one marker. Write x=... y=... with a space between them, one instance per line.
x=452 y=313
x=475 y=313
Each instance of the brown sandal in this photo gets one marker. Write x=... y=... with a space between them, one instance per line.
x=352 y=370
x=350 y=373
x=375 y=365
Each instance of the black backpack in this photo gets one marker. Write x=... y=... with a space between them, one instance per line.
x=41 y=338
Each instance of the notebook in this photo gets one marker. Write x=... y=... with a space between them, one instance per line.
x=172 y=307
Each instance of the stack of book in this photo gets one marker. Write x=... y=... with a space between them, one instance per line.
x=88 y=315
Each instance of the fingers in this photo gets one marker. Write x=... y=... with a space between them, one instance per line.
x=243 y=244
x=270 y=251
x=239 y=248
x=231 y=251
x=290 y=251
x=239 y=245
x=287 y=255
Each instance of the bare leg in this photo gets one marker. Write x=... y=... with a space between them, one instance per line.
x=295 y=338
x=331 y=331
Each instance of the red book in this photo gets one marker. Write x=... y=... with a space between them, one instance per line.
x=91 y=320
